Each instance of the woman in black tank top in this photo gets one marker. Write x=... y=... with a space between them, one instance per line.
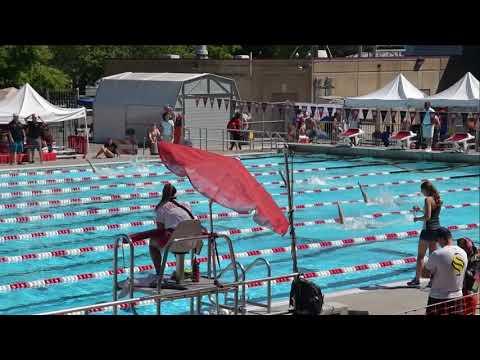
x=431 y=222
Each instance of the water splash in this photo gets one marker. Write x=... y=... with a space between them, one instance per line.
x=316 y=180
x=361 y=223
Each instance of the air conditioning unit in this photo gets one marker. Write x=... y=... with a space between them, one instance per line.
x=322 y=54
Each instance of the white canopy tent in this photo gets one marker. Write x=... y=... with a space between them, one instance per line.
x=27 y=101
x=398 y=93
x=465 y=93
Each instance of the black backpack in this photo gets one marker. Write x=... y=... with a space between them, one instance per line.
x=306 y=298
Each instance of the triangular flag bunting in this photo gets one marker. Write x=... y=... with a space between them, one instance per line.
x=212 y=101
x=364 y=113
x=330 y=110
x=393 y=115
x=249 y=106
x=205 y=100
x=197 y=100
x=264 y=106
x=383 y=114
x=321 y=111
x=219 y=102
x=374 y=114
x=304 y=108
x=403 y=114
x=312 y=110
x=234 y=104
x=412 y=115
x=226 y=101
x=256 y=106
x=347 y=113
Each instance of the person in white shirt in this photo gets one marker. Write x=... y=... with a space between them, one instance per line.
x=167 y=124
x=169 y=213
x=446 y=266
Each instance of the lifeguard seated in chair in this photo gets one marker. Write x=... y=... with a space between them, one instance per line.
x=459 y=141
x=353 y=135
x=404 y=137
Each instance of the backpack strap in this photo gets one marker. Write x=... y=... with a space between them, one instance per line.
x=182 y=207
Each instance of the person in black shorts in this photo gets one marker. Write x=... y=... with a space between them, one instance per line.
x=34 y=137
x=16 y=137
x=431 y=223
x=109 y=149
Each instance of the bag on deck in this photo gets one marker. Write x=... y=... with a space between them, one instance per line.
x=306 y=298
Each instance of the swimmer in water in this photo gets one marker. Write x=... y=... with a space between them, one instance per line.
x=341 y=217
x=364 y=194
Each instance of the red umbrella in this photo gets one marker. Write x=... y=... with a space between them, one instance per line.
x=226 y=181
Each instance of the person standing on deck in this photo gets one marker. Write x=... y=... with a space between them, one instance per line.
x=428 y=125
x=16 y=138
x=431 y=223
x=233 y=128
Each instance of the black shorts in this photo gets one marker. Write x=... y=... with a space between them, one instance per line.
x=445 y=306
x=428 y=235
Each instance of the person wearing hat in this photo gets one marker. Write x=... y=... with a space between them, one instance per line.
x=34 y=136
x=471 y=282
x=446 y=267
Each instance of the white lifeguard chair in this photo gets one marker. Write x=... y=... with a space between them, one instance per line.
x=459 y=141
x=351 y=134
x=404 y=137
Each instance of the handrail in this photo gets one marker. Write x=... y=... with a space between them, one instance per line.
x=269 y=284
x=154 y=297
x=125 y=239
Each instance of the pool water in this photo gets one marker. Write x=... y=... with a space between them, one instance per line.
x=91 y=291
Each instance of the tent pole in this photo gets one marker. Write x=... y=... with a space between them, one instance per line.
x=289 y=177
x=87 y=136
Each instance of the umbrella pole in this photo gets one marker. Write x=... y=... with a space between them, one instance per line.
x=289 y=176
x=210 y=247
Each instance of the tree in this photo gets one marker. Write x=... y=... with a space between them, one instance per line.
x=22 y=64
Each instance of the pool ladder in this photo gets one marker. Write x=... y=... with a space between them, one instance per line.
x=125 y=239
x=244 y=302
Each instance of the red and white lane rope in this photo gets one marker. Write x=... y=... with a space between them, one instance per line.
x=143 y=268
x=156 y=195
x=93 y=199
x=59 y=191
x=272 y=251
x=280 y=281
x=256 y=229
x=79 y=179
x=142 y=208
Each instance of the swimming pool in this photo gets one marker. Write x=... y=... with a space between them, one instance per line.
x=55 y=225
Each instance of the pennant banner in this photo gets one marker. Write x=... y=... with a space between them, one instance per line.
x=412 y=115
x=264 y=106
x=403 y=114
x=383 y=114
x=212 y=101
x=312 y=110
x=219 y=102
x=347 y=113
x=365 y=113
x=226 y=101
x=393 y=115
x=234 y=104
x=304 y=108
x=197 y=100
x=205 y=100
x=330 y=110
x=257 y=105
x=249 y=106
x=374 y=114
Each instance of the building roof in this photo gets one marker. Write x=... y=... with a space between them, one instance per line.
x=177 y=77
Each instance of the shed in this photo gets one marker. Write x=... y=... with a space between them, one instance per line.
x=136 y=101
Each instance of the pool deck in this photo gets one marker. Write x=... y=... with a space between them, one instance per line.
x=388 y=299
x=381 y=152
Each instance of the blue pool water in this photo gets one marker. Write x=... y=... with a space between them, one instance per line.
x=64 y=295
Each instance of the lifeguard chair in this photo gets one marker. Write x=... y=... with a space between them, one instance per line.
x=404 y=137
x=354 y=135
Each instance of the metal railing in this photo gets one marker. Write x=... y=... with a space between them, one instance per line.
x=465 y=305
x=220 y=139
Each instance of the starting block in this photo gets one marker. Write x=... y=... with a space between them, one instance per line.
x=404 y=137
x=351 y=134
x=459 y=141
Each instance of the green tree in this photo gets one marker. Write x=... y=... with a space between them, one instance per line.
x=22 y=64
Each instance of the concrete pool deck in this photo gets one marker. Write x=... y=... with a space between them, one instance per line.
x=381 y=152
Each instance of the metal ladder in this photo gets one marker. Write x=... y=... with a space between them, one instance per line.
x=244 y=301
x=125 y=239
